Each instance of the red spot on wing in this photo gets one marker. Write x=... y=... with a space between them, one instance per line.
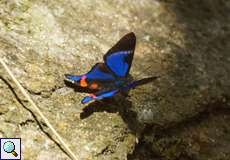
x=94 y=85
x=93 y=96
x=83 y=82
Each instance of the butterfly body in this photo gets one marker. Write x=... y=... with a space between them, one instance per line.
x=84 y=81
x=111 y=77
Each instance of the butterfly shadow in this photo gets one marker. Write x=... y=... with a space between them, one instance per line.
x=119 y=104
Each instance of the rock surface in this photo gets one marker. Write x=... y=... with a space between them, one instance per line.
x=177 y=116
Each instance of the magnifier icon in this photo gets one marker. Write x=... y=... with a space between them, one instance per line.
x=9 y=147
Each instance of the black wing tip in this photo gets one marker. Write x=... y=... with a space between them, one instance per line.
x=67 y=79
x=127 y=42
x=130 y=35
x=66 y=75
x=149 y=79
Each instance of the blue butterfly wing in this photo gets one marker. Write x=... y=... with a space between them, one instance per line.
x=98 y=72
x=94 y=79
x=109 y=93
x=134 y=84
x=99 y=95
x=119 y=57
x=118 y=61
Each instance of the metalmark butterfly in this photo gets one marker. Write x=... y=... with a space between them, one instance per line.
x=111 y=77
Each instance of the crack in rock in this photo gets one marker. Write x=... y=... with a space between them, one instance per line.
x=27 y=122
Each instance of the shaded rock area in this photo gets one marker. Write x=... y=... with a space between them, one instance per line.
x=184 y=114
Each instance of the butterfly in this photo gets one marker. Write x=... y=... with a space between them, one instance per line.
x=111 y=77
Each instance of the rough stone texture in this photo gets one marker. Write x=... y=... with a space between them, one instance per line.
x=205 y=136
x=187 y=118
x=175 y=117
